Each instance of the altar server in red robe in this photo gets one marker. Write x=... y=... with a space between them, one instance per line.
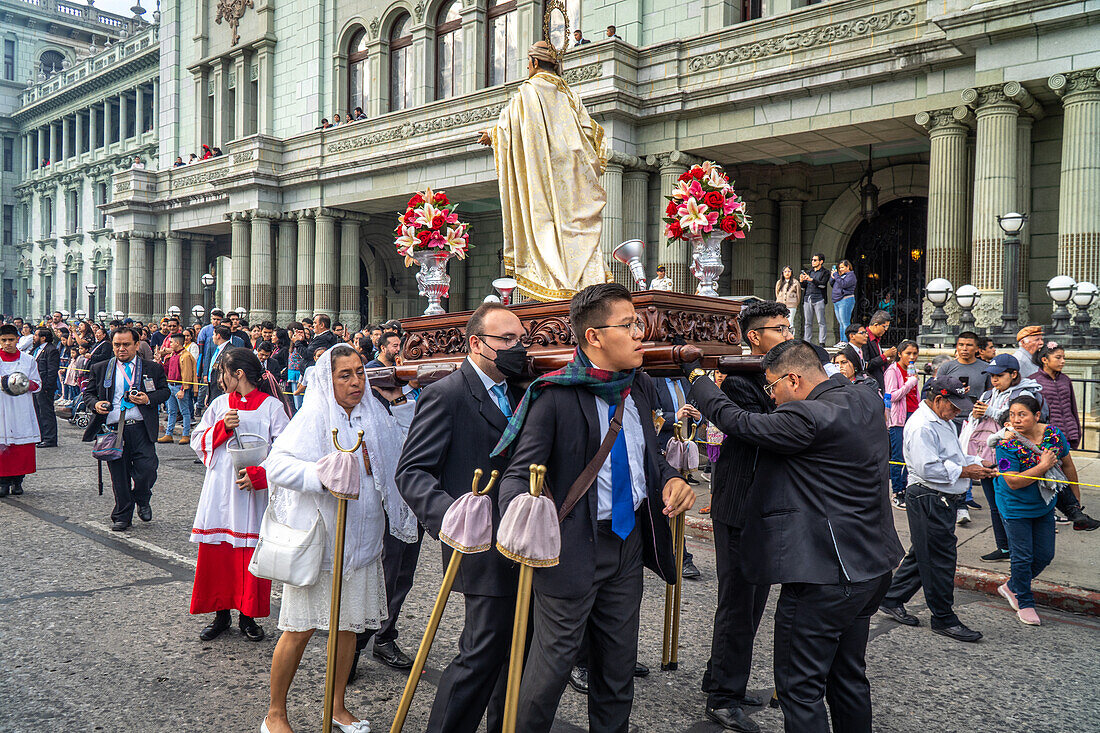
x=18 y=423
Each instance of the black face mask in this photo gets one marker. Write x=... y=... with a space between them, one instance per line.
x=511 y=362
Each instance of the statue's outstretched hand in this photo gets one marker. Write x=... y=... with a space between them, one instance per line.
x=485 y=139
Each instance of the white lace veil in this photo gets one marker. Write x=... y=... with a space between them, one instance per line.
x=309 y=437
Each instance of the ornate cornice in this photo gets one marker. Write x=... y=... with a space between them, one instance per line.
x=582 y=74
x=1074 y=82
x=838 y=32
x=210 y=176
x=418 y=127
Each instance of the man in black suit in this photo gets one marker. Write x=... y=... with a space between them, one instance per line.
x=621 y=516
x=875 y=358
x=45 y=352
x=129 y=389
x=323 y=336
x=818 y=522
x=458 y=422
x=740 y=606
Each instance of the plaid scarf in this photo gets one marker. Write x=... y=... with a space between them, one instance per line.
x=611 y=387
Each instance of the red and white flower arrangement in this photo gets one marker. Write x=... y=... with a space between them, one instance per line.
x=704 y=200
x=431 y=224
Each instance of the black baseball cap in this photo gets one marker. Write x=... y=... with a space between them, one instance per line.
x=951 y=388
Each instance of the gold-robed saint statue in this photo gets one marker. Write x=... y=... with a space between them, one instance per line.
x=550 y=155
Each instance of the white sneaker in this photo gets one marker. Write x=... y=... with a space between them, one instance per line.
x=962 y=516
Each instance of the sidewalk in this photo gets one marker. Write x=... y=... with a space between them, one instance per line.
x=1070 y=583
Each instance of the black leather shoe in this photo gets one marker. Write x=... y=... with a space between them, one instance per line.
x=578 y=679
x=733 y=719
x=640 y=670
x=5 y=489
x=751 y=701
x=995 y=556
x=120 y=526
x=391 y=655
x=898 y=614
x=45 y=445
x=690 y=572
x=17 y=489
x=691 y=480
x=214 y=630
x=973 y=504
x=145 y=513
x=959 y=633
x=252 y=630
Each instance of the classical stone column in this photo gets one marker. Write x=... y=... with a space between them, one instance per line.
x=995 y=192
x=123 y=117
x=138 y=285
x=122 y=273
x=349 y=273
x=304 y=301
x=262 y=289
x=160 y=277
x=635 y=193
x=78 y=146
x=173 y=276
x=239 y=252
x=1079 y=199
x=324 y=264
x=286 y=280
x=66 y=139
x=93 y=129
x=677 y=256
x=791 y=201
x=947 y=195
x=198 y=267
x=611 y=235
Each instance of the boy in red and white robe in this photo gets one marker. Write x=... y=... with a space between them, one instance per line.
x=227 y=523
x=18 y=422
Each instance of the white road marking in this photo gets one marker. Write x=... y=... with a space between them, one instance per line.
x=149 y=546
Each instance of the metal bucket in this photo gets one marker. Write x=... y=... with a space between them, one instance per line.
x=253 y=450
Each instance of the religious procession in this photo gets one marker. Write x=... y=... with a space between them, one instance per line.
x=616 y=468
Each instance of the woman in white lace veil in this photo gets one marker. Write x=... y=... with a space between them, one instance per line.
x=338 y=397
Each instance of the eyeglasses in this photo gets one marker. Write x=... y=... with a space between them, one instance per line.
x=770 y=387
x=784 y=329
x=509 y=341
x=637 y=326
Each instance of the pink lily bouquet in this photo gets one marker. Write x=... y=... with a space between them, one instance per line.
x=703 y=201
x=431 y=224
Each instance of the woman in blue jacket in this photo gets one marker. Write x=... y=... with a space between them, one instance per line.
x=843 y=281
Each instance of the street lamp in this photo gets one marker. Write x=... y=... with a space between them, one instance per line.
x=1060 y=289
x=119 y=315
x=241 y=311
x=81 y=315
x=198 y=312
x=174 y=311
x=1082 y=322
x=939 y=292
x=90 y=289
x=207 y=292
x=101 y=317
x=967 y=296
x=1011 y=224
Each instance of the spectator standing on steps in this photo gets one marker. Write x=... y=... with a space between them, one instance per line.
x=939 y=477
x=843 y=281
x=813 y=306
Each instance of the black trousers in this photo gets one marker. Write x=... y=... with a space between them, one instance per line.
x=609 y=614
x=47 y=418
x=398 y=563
x=930 y=561
x=477 y=677
x=736 y=619
x=820 y=642
x=133 y=475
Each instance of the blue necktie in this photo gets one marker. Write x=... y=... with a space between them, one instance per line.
x=500 y=393
x=124 y=404
x=622 y=493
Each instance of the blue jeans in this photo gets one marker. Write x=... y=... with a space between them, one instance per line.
x=179 y=408
x=843 y=310
x=1031 y=548
x=898 y=475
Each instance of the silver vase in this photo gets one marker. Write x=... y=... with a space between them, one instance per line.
x=433 y=280
x=706 y=261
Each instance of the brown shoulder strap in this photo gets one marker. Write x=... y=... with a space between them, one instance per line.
x=588 y=475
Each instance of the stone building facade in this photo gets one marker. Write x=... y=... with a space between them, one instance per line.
x=957 y=111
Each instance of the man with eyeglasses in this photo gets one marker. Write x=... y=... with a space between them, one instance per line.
x=740 y=603
x=600 y=398
x=818 y=521
x=458 y=421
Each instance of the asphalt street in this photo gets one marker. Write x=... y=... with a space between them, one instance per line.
x=96 y=635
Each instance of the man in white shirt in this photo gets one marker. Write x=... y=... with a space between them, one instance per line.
x=662 y=281
x=939 y=476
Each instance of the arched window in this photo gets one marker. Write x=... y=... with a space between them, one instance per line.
x=502 y=41
x=401 y=63
x=358 y=71
x=448 y=51
x=50 y=62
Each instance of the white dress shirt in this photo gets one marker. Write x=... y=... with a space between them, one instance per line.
x=933 y=454
x=122 y=386
x=635 y=452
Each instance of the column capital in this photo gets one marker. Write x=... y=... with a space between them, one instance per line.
x=789 y=195
x=266 y=214
x=324 y=212
x=1075 y=82
x=627 y=161
x=1015 y=91
x=238 y=215
x=982 y=98
x=958 y=117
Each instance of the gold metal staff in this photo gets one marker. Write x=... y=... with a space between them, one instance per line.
x=337 y=587
x=519 y=627
x=434 y=619
x=670 y=647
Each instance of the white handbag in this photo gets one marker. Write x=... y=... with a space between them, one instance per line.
x=288 y=555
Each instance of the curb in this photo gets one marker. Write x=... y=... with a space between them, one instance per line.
x=1063 y=597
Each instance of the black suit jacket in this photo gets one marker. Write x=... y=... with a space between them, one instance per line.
x=875 y=362
x=562 y=432
x=665 y=402
x=455 y=426
x=100 y=351
x=49 y=362
x=819 y=510
x=733 y=475
x=95 y=391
